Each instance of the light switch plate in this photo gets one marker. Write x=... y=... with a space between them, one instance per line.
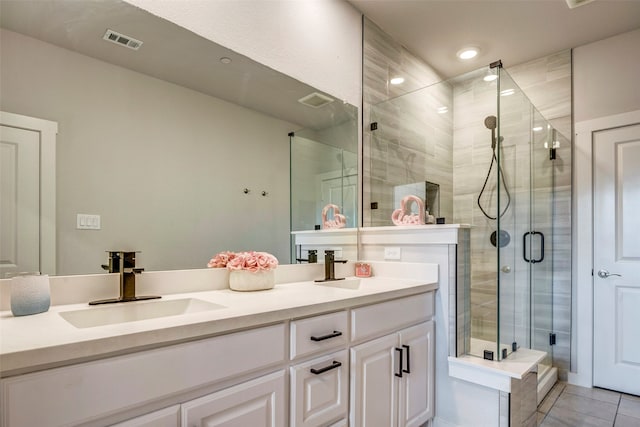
x=392 y=253
x=87 y=222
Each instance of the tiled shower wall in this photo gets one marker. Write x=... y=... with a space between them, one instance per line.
x=386 y=154
x=395 y=154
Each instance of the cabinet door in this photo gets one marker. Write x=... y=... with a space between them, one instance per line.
x=415 y=397
x=256 y=403
x=167 y=417
x=373 y=384
x=319 y=390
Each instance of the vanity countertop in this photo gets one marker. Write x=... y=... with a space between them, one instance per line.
x=46 y=340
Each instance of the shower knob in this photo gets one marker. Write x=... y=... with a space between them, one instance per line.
x=506 y=269
x=603 y=274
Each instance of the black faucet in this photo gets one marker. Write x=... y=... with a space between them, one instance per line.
x=329 y=266
x=312 y=257
x=124 y=263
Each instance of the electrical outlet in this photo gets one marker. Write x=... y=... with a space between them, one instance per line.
x=392 y=253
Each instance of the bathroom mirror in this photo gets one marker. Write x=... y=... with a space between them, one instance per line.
x=179 y=145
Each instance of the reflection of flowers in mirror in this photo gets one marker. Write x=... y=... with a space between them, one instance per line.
x=251 y=261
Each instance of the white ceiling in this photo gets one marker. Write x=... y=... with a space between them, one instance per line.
x=514 y=31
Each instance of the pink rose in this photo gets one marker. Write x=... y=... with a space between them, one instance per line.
x=251 y=261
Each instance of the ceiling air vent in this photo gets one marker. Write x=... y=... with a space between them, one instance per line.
x=122 y=40
x=315 y=100
x=575 y=3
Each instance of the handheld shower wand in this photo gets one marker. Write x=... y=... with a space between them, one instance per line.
x=491 y=122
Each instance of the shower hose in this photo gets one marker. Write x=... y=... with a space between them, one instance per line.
x=494 y=159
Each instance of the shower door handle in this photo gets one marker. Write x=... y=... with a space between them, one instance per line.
x=541 y=246
x=524 y=247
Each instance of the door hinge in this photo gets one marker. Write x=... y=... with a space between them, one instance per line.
x=552 y=339
x=373 y=126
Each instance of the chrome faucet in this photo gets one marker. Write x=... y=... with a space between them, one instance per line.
x=124 y=262
x=329 y=266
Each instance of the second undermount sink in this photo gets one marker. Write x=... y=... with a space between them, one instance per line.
x=134 y=311
x=348 y=283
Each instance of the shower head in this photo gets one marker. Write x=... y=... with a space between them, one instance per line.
x=491 y=122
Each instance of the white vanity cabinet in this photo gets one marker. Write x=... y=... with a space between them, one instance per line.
x=330 y=369
x=88 y=392
x=392 y=376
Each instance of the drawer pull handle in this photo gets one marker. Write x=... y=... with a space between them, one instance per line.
x=334 y=365
x=408 y=370
x=326 y=337
x=400 y=370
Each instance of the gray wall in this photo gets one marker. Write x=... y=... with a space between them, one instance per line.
x=164 y=166
x=413 y=142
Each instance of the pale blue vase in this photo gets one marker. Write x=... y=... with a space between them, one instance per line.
x=30 y=294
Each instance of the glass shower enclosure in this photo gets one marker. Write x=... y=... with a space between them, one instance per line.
x=491 y=155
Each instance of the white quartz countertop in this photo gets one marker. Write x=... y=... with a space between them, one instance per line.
x=46 y=340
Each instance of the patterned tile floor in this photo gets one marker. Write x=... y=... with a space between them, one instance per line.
x=567 y=405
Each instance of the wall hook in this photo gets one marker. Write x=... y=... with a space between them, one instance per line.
x=246 y=191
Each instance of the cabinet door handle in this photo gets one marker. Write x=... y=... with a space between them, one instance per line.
x=399 y=373
x=326 y=337
x=334 y=365
x=408 y=370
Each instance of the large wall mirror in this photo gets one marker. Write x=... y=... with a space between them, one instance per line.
x=181 y=146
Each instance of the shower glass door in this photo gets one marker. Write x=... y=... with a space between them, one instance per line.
x=514 y=216
x=525 y=264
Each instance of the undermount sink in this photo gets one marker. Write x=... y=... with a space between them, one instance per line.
x=350 y=283
x=134 y=311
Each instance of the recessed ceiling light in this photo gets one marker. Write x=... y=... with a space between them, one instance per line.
x=490 y=77
x=468 y=53
x=537 y=128
x=507 y=92
x=442 y=110
x=225 y=60
x=397 y=80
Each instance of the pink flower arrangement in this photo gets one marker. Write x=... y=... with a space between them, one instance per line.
x=252 y=261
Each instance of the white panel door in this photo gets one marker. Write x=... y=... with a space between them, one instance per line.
x=415 y=400
x=257 y=403
x=616 y=275
x=373 y=383
x=19 y=200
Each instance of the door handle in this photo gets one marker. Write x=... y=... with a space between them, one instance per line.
x=408 y=370
x=333 y=365
x=603 y=274
x=326 y=337
x=400 y=370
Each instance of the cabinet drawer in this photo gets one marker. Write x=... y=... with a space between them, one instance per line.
x=377 y=319
x=318 y=333
x=84 y=392
x=319 y=390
